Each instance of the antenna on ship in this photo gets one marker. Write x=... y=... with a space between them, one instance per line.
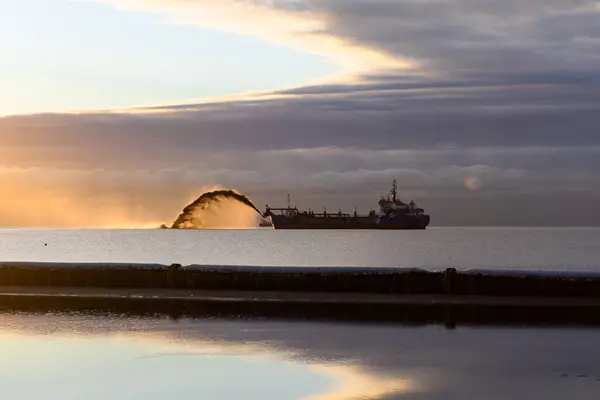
x=394 y=190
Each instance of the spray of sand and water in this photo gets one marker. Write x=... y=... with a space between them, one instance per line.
x=210 y=211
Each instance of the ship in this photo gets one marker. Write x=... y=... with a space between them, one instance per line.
x=393 y=214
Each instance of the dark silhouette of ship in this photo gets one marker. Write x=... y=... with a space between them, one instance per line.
x=393 y=214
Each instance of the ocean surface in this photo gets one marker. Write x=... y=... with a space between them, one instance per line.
x=71 y=356
x=570 y=249
x=78 y=356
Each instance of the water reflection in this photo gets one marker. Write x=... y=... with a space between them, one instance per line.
x=345 y=380
x=122 y=357
x=100 y=368
x=73 y=357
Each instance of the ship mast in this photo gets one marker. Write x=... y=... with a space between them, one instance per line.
x=394 y=190
x=288 y=201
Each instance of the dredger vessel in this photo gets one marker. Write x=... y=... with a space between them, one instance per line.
x=393 y=214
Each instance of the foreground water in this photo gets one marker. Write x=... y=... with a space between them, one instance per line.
x=62 y=356
x=436 y=248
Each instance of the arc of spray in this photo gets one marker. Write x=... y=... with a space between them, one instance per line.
x=211 y=197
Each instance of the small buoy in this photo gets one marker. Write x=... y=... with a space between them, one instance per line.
x=45 y=244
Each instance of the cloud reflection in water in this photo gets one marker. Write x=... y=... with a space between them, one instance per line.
x=78 y=356
x=344 y=361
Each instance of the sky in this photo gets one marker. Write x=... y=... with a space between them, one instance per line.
x=116 y=113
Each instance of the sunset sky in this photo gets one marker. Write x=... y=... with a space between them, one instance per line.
x=119 y=112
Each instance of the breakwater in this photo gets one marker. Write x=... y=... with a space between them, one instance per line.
x=303 y=279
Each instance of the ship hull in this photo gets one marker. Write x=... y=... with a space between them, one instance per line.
x=335 y=222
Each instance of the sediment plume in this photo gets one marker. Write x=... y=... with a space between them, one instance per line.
x=188 y=217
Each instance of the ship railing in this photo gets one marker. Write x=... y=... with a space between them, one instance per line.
x=330 y=215
x=286 y=211
x=282 y=210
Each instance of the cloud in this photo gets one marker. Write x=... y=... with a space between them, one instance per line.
x=474 y=35
x=294 y=24
x=523 y=144
x=440 y=36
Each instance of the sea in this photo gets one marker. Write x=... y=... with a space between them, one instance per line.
x=569 y=249
x=81 y=355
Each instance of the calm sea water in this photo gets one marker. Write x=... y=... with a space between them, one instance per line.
x=66 y=357
x=436 y=248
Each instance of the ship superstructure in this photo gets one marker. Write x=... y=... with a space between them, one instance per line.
x=393 y=214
